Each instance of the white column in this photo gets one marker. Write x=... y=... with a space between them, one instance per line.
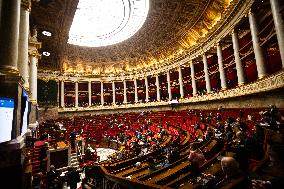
x=258 y=53
x=158 y=88
x=206 y=74
x=239 y=65
x=34 y=56
x=221 y=67
x=180 y=82
x=90 y=92
x=279 y=26
x=147 y=89
x=62 y=94
x=76 y=94
x=169 y=85
x=124 y=92
x=113 y=92
x=23 y=44
x=9 y=35
x=135 y=90
x=102 y=93
x=193 y=82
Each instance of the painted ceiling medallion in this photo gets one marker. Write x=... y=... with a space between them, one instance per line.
x=106 y=22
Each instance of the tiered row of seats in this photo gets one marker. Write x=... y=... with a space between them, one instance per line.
x=182 y=128
x=39 y=161
x=177 y=174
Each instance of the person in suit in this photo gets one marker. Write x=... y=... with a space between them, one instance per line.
x=73 y=178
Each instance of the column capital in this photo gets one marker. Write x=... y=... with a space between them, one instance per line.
x=34 y=53
x=26 y=4
x=250 y=11
x=235 y=31
x=218 y=43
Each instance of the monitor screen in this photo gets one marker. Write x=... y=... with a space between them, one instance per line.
x=6 y=118
x=25 y=113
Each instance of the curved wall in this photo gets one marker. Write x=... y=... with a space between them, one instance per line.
x=239 y=59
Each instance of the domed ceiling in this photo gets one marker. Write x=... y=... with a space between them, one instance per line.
x=170 y=29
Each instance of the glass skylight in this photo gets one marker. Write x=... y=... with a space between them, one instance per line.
x=105 y=22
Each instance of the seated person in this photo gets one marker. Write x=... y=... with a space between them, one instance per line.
x=272 y=168
x=209 y=133
x=196 y=158
x=243 y=150
x=88 y=154
x=230 y=169
x=151 y=164
x=52 y=178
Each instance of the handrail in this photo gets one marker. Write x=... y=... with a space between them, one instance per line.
x=128 y=182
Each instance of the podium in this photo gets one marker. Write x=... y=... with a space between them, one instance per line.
x=59 y=157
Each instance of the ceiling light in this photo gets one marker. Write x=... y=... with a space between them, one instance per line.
x=45 y=53
x=105 y=22
x=46 y=33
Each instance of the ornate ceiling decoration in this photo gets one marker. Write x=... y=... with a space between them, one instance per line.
x=171 y=28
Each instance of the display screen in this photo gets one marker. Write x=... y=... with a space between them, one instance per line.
x=25 y=113
x=6 y=118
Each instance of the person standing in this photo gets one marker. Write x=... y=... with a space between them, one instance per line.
x=73 y=178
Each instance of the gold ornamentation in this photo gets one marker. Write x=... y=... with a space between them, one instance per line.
x=9 y=70
x=26 y=4
x=34 y=53
x=241 y=84
x=33 y=101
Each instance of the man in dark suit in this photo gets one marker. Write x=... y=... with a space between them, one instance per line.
x=73 y=178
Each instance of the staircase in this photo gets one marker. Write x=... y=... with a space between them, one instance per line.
x=74 y=163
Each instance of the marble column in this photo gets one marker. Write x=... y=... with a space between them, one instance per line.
x=9 y=36
x=169 y=85
x=193 y=82
x=102 y=93
x=221 y=67
x=147 y=89
x=206 y=74
x=239 y=65
x=135 y=90
x=90 y=92
x=62 y=103
x=124 y=92
x=113 y=92
x=23 y=44
x=279 y=26
x=180 y=82
x=258 y=53
x=158 y=88
x=76 y=94
x=34 y=56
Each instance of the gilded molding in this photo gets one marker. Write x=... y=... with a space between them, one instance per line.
x=9 y=70
x=26 y=4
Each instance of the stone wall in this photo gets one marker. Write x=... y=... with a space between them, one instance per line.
x=47 y=113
